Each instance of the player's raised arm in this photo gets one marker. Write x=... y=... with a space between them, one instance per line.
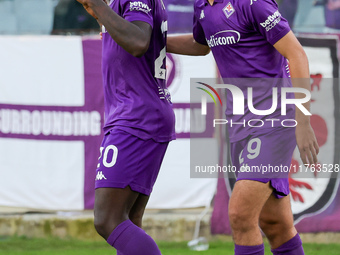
x=291 y=49
x=186 y=45
x=133 y=36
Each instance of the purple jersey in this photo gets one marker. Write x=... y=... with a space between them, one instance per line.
x=241 y=35
x=136 y=98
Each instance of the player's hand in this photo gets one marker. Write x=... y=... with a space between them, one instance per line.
x=307 y=143
x=333 y=5
x=87 y=7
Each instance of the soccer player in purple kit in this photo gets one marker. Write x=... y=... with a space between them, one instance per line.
x=250 y=39
x=139 y=120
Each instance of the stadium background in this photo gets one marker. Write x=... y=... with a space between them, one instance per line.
x=51 y=107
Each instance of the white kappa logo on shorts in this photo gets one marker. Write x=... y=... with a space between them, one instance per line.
x=100 y=176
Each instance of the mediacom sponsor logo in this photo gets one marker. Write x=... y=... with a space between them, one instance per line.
x=272 y=20
x=226 y=37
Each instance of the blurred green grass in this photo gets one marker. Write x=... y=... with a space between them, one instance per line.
x=54 y=246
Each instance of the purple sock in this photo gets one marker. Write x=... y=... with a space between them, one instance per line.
x=128 y=239
x=249 y=250
x=292 y=247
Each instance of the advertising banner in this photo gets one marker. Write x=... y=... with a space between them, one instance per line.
x=51 y=119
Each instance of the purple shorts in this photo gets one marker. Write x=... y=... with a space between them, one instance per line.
x=126 y=160
x=265 y=157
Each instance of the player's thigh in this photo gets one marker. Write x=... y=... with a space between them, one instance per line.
x=277 y=211
x=276 y=220
x=138 y=209
x=247 y=199
x=112 y=206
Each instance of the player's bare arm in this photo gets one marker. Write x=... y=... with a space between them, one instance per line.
x=291 y=49
x=186 y=45
x=134 y=37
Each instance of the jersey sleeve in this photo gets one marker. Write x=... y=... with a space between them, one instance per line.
x=267 y=20
x=198 y=32
x=140 y=10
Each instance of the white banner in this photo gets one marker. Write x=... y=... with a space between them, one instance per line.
x=40 y=72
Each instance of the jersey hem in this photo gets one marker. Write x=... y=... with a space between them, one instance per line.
x=142 y=135
x=254 y=133
x=134 y=187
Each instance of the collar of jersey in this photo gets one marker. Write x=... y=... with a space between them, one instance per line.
x=215 y=1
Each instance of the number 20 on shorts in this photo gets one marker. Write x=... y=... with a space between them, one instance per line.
x=104 y=152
